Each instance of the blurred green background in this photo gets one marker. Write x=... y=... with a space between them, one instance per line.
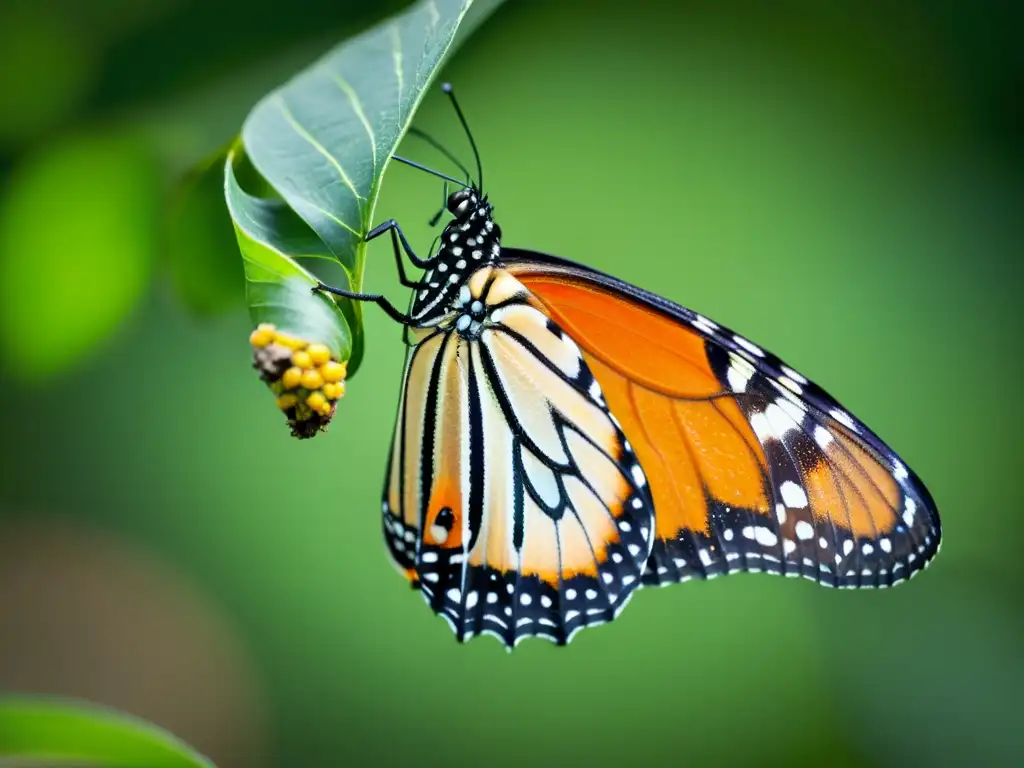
x=842 y=184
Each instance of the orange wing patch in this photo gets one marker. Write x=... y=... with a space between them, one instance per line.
x=648 y=349
x=653 y=372
x=751 y=466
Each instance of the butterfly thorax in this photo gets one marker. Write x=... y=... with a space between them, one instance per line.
x=471 y=240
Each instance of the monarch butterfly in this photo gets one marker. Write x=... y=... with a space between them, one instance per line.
x=564 y=437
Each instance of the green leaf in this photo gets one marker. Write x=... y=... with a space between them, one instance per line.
x=63 y=731
x=278 y=289
x=77 y=237
x=199 y=242
x=323 y=140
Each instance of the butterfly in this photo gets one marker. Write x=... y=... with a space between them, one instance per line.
x=564 y=438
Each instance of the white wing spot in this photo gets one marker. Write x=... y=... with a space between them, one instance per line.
x=909 y=508
x=727 y=534
x=799 y=379
x=634 y=549
x=525 y=599
x=705 y=558
x=822 y=437
x=788 y=546
x=428 y=557
x=471 y=599
x=805 y=531
x=791 y=385
x=638 y=476
x=843 y=418
x=591 y=594
x=762 y=428
x=867 y=549
x=545 y=601
x=899 y=470
x=885 y=544
x=738 y=379
x=765 y=537
x=780 y=513
x=793 y=495
x=749 y=346
x=848 y=546
x=708 y=326
x=454 y=595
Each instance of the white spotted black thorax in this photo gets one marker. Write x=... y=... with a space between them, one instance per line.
x=469 y=242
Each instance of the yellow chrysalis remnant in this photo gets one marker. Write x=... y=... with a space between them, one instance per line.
x=319 y=353
x=304 y=378
x=292 y=377
x=284 y=402
x=262 y=336
x=332 y=371
x=311 y=379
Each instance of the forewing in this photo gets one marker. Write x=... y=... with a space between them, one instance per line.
x=752 y=467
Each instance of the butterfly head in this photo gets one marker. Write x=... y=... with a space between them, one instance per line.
x=468 y=203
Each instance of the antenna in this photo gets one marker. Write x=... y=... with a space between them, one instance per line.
x=431 y=171
x=414 y=131
x=447 y=88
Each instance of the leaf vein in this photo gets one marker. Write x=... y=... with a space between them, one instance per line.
x=357 y=107
x=311 y=140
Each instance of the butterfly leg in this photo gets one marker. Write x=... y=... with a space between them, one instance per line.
x=398 y=260
x=392 y=225
x=376 y=298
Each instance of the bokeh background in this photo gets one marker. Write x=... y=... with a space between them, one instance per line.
x=840 y=182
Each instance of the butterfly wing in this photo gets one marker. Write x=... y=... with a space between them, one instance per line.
x=752 y=466
x=530 y=512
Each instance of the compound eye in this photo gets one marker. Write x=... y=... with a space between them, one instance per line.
x=458 y=202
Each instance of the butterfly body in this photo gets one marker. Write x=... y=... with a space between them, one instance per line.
x=564 y=438
x=471 y=240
